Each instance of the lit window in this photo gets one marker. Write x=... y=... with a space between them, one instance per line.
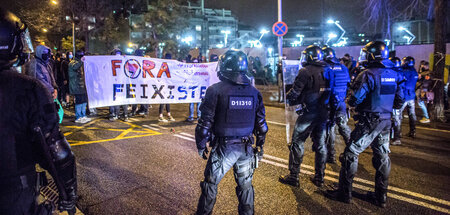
x=198 y=28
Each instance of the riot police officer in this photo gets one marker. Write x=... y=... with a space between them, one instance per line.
x=396 y=114
x=338 y=109
x=411 y=76
x=232 y=112
x=29 y=131
x=311 y=89
x=373 y=95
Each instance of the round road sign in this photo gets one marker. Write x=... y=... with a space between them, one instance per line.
x=279 y=29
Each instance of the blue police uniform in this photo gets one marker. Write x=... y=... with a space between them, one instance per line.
x=374 y=94
x=338 y=109
x=410 y=75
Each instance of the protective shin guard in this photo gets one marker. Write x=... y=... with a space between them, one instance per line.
x=207 y=198
x=382 y=164
x=348 y=170
x=246 y=196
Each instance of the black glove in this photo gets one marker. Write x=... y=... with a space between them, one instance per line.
x=68 y=204
x=203 y=153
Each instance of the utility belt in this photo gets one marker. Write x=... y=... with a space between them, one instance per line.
x=236 y=140
x=369 y=117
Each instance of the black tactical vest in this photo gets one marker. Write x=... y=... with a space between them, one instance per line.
x=235 y=110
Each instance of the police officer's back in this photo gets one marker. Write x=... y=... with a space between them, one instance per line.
x=311 y=89
x=232 y=112
x=28 y=129
x=374 y=94
x=338 y=114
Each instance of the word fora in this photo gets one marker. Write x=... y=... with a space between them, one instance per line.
x=132 y=68
x=169 y=92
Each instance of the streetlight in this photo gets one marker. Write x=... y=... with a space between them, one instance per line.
x=54 y=2
x=187 y=40
x=161 y=48
x=331 y=36
x=330 y=21
x=262 y=32
x=45 y=30
x=226 y=35
x=130 y=44
x=300 y=36
x=409 y=38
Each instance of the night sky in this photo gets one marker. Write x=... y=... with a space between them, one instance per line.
x=259 y=13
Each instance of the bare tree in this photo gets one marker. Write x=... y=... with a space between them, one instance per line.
x=381 y=14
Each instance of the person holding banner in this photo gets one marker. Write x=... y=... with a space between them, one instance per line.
x=114 y=111
x=161 y=106
x=77 y=87
x=143 y=110
x=232 y=112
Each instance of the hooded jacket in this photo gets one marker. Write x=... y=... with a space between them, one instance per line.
x=42 y=70
x=76 y=77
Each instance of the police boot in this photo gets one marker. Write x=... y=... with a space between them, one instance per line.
x=331 y=159
x=377 y=198
x=412 y=134
x=289 y=180
x=338 y=195
x=318 y=181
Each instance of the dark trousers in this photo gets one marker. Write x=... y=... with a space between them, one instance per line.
x=115 y=110
x=21 y=202
x=339 y=118
x=369 y=131
x=311 y=123
x=161 y=108
x=222 y=158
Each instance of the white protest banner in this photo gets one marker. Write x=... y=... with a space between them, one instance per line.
x=121 y=80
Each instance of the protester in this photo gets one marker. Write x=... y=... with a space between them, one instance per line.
x=114 y=111
x=161 y=106
x=77 y=87
x=424 y=89
x=348 y=62
x=65 y=70
x=41 y=69
x=143 y=110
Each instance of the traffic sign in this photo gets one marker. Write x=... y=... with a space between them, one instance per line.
x=279 y=29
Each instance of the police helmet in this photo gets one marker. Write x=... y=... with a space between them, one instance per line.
x=396 y=61
x=408 y=62
x=139 y=52
x=233 y=66
x=311 y=54
x=15 y=41
x=375 y=51
x=329 y=54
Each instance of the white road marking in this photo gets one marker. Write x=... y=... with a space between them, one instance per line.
x=417 y=127
x=132 y=119
x=276 y=123
x=432 y=129
x=152 y=128
x=401 y=198
x=392 y=188
x=158 y=126
x=183 y=137
x=186 y=134
x=361 y=187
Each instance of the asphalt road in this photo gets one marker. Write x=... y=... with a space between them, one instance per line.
x=147 y=167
